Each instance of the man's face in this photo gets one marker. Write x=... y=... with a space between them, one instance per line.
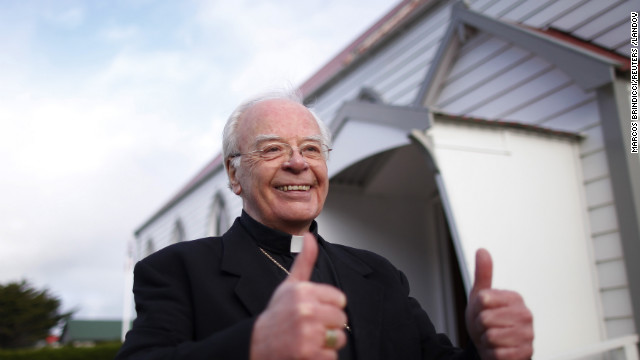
x=264 y=185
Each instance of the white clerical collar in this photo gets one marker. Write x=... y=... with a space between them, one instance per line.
x=296 y=243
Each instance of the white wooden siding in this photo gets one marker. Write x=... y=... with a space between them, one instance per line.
x=607 y=246
x=193 y=211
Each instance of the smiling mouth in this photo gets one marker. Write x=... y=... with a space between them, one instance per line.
x=294 y=188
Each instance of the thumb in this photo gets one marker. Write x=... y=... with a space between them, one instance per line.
x=303 y=266
x=484 y=271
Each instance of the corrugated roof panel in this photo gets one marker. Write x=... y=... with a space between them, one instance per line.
x=612 y=38
x=488 y=50
x=580 y=16
x=604 y=22
x=510 y=79
x=575 y=118
x=546 y=107
x=482 y=5
x=502 y=7
x=552 y=12
x=525 y=10
x=485 y=72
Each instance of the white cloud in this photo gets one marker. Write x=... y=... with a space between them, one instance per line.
x=85 y=158
x=68 y=18
x=120 y=33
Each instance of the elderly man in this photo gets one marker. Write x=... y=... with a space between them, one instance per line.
x=251 y=294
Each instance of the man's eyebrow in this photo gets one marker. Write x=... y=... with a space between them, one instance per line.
x=268 y=137
x=317 y=138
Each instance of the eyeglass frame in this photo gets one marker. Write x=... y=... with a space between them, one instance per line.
x=273 y=140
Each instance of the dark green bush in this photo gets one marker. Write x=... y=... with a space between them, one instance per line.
x=99 y=352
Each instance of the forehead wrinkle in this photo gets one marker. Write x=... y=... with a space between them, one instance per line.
x=272 y=137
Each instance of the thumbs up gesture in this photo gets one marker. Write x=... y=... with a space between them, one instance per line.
x=303 y=320
x=498 y=321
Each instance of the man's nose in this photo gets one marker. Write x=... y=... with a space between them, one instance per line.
x=296 y=161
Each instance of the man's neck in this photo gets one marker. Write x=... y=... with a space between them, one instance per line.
x=290 y=227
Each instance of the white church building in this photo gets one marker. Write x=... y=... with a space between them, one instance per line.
x=503 y=124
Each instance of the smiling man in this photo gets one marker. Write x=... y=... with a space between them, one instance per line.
x=252 y=294
x=283 y=181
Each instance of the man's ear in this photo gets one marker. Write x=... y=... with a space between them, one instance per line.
x=234 y=184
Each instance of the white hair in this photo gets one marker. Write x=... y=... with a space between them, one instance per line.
x=230 y=145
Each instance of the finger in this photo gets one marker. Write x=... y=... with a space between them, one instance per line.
x=507 y=337
x=341 y=339
x=520 y=352
x=493 y=298
x=303 y=266
x=484 y=272
x=489 y=308
x=326 y=354
x=505 y=316
x=329 y=316
x=323 y=293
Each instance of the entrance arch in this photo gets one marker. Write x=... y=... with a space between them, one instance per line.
x=389 y=203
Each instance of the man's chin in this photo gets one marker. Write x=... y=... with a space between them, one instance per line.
x=298 y=219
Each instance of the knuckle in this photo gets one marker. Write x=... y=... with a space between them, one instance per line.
x=298 y=290
x=484 y=296
x=492 y=337
x=304 y=310
x=529 y=335
x=515 y=297
x=484 y=317
x=527 y=316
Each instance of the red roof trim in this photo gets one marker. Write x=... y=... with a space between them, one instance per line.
x=623 y=61
x=389 y=22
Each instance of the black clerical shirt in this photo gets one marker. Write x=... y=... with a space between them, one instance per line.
x=278 y=245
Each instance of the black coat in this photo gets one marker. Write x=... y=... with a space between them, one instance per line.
x=199 y=300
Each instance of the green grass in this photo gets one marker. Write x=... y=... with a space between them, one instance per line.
x=105 y=351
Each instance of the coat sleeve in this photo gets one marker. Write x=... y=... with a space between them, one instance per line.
x=164 y=327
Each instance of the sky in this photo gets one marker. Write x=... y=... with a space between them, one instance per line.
x=107 y=108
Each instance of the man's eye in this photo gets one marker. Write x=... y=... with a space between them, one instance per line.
x=272 y=149
x=312 y=149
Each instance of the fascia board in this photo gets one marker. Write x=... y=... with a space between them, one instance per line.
x=405 y=118
x=442 y=60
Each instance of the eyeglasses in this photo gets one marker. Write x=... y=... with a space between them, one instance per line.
x=274 y=150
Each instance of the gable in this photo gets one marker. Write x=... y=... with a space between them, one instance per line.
x=492 y=78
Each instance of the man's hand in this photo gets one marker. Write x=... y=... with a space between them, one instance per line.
x=500 y=324
x=295 y=323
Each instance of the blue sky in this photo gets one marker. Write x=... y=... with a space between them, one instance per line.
x=108 y=107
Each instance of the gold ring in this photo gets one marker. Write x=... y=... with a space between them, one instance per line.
x=331 y=338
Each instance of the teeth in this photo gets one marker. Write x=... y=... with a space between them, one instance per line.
x=294 y=187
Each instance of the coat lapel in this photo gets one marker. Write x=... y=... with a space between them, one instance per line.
x=242 y=258
x=364 y=301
